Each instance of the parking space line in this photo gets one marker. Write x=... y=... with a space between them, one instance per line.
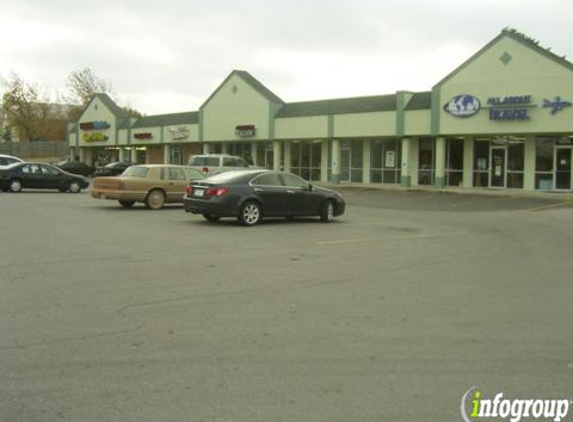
x=481 y=200
x=545 y=207
x=386 y=238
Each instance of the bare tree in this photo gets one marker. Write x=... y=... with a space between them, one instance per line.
x=83 y=84
x=26 y=109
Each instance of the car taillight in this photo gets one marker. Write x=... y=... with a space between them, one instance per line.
x=218 y=191
x=188 y=190
x=205 y=169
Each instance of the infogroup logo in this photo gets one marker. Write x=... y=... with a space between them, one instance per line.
x=475 y=406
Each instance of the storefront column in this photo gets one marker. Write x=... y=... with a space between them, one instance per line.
x=366 y=161
x=206 y=148
x=72 y=154
x=335 y=163
x=89 y=156
x=82 y=155
x=406 y=180
x=133 y=155
x=467 y=178
x=224 y=148
x=277 y=155
x=440 y=163
x=166 y=154
x=324 y=161
x=286 y=147
x=254 y=152
x=121 y=155
x=529 y=164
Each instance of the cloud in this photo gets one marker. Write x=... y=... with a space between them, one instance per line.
x=309 y=49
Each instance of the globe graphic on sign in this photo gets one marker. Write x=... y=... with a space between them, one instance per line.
x=463 y=105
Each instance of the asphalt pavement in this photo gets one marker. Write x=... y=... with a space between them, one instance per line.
x=390 y=313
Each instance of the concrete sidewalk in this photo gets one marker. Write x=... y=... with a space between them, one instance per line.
x=453 y=190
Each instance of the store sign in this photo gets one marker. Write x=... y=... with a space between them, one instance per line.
x=94 y=137
x=463 y=105
x=556 y=105
x=179 y=133
x=245 y=131
x=510 y=108
x=95 y=125
x=144 y=135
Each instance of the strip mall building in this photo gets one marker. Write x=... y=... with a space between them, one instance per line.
x=503 y=119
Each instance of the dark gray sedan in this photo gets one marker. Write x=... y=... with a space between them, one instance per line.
x=253 y=194
x=20 y=176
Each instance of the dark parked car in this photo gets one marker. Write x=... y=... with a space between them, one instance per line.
x=113 y=169
x=76 y=167
x=253 y=194
x=39 y=176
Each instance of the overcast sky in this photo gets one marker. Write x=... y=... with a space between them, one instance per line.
x=168 y=56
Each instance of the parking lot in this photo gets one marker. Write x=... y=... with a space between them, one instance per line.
x=390 y=313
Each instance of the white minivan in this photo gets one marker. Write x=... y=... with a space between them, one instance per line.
x=211 y=164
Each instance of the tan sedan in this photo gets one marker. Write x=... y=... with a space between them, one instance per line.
x=152 y=184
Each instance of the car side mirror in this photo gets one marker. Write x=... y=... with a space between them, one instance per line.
x=310 y=187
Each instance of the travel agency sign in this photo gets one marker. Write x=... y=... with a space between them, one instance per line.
x=502 y=108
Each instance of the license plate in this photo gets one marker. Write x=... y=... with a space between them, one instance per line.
x=199 y=192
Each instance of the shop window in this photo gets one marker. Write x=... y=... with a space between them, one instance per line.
x=454 y=162
x=385 y=157
x=481 y=163
x=356 y=158
x=544 y=150
x=426 y=162
x=305 y=159
x=515 y=164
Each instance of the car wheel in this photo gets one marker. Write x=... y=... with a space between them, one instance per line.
x=211 y=217
x=15 y=186
x=250 y=214
x=327 y=211
x=74 y=187
x=126 y=204
x=155 y=199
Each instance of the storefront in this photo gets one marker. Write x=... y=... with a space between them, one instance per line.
x=502 y=120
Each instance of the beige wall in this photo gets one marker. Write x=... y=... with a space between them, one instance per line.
x=528 y=73
x=155 y=135
x=313 y=127
x=365 y=124
x=417 y=122
x=98 y=111
x=235 y=103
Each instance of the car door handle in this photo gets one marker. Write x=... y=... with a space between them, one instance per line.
x=290 y=191
x=257 y=189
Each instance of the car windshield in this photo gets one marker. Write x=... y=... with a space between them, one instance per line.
x=136 y=172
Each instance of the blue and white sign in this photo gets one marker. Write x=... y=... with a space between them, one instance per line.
x=463 y=105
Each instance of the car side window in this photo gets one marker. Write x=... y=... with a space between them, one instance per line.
x=49 y=171
x=267 y=179
x=192 y=174
x=176 y=173
x=293 y=181
x=31 y=169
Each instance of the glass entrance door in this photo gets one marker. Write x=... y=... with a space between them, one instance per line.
x=562 y=168
x=497 y=168
x=345 y=160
